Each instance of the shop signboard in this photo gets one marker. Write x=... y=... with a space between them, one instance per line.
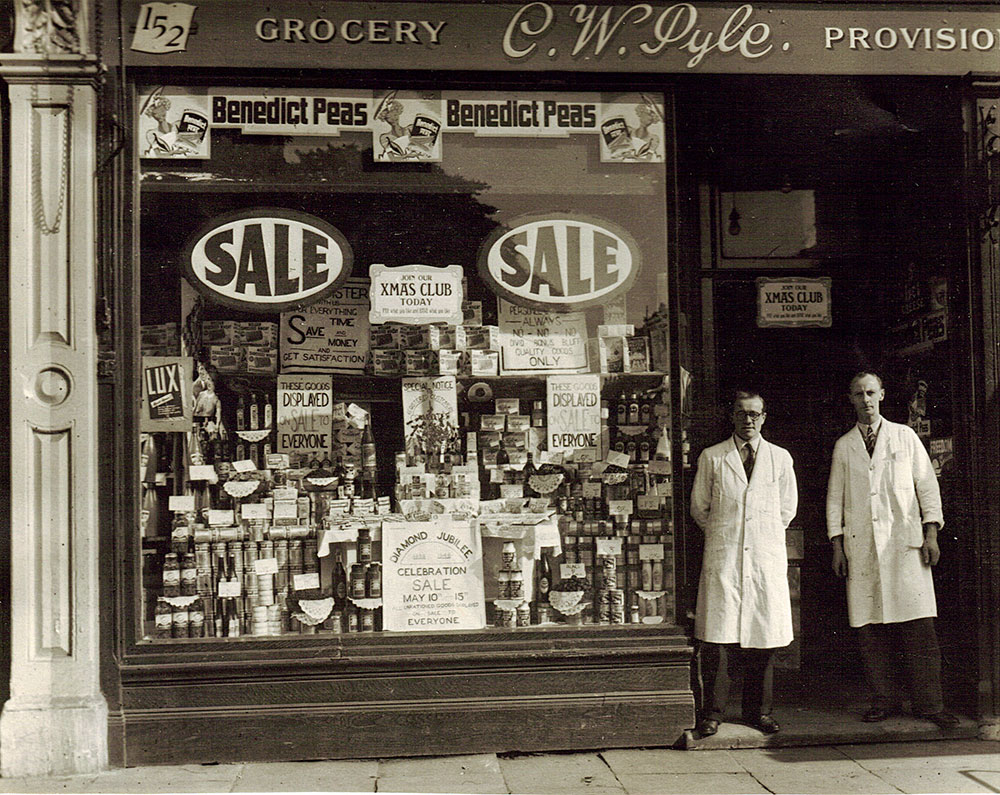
x=166 y=393
x=330 y=335
x=532 y=341
x=793 y=302
x=560 y=262
x=432 y=576
x=416 y=294
x=305 y=416
x=266 y=259
x=574 y=414
x=679 y=38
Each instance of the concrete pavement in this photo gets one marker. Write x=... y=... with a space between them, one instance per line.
x=942 y=766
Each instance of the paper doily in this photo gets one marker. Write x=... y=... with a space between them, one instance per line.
x=314 y=611
x=507 y=604
x=254 y=436
x=240 y=488
x=546 y=483
x=565 y=601
x=180 y=601
x=366 y=604
x=574 y=610
x=649 y=595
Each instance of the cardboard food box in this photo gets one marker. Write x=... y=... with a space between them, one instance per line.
x=484 y=362
x=636 y=355
x=262 y=359
x=226 y=358
x=387 y=361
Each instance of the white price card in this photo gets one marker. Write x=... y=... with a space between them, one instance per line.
x=286 y=509
x=591 y=488
x=246 y=465
x=163 y=27
x=567 y=570
x=203 y=472
x=265 y=566
x=614 y=458
x=650 y=551
x=285 y=493
x=254 y=510
x=658 y=467
x=363 y=505
x=620 y=507
x=277 y=461
x=648 y=503
x=229 y=589
x=182 y=503
x=307 y=581
x=608 y=547
x=220 y=518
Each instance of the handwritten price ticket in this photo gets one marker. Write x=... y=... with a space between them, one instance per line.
x=163 y=27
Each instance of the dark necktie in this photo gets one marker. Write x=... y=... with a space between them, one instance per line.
x=748 y=461
x=870 y=440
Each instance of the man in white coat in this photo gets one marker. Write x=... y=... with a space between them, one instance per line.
x=743 y=498
x=883 y=513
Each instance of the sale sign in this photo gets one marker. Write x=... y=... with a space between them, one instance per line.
x=432 y=576
x=574 y=413
x=305 y=417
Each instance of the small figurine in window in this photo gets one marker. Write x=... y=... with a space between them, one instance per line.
x=918 y=405
x=207 y=406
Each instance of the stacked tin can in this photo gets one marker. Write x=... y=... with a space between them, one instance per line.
x=610 y=598
x=281 y=582
x=510 y=586
x=294 y=569
x=203 y=562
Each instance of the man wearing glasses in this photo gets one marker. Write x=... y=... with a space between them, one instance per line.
x=883 y=513
x=744 y=496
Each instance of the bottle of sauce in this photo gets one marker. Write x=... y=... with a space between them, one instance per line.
x=373 y=581
x=339 y=582
x=358 y=581
x=364 y=545
x=254 y=412
x=241 y=414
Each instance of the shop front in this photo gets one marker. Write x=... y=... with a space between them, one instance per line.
x=415 y=326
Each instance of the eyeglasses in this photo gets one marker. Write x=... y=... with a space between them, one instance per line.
x=753 y=416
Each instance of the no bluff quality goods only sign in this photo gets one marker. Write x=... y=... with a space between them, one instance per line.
x=793 y=302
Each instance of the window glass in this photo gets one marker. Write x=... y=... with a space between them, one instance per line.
x=404 y=362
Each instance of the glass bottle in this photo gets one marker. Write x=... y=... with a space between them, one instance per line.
x=268 y=411
x=254 y=412
x=171 y=575
x=241 y=414
x=339 y=582
x=633 y=409
x=364 y=545
x=373 y=581
x=358 y=581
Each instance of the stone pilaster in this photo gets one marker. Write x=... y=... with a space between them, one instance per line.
x=55 y=721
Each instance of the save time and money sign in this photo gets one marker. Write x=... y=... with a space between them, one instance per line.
x=330 y=335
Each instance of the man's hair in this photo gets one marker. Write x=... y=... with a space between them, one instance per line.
x=746 y=394
x=862 y=374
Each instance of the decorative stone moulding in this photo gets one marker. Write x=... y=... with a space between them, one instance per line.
x=47 y=26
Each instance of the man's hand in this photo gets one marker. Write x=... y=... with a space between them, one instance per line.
x=839 y=558
x=930 y=553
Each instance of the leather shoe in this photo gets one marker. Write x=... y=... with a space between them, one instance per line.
x=875 y=715
x=944 y=720
x=767 y=724
x=708 y=727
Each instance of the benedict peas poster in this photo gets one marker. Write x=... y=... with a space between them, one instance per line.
x=433 y=576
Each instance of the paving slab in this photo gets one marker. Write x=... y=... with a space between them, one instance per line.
x=476 y=774
x=918 y=780
x=691 y=784
x=953 y=753
x=66 y=784
x=325 y=776
x=179 y=778
x=656 y=761
x=555 y=774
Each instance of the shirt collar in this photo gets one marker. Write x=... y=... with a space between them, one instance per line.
x=875 y=426
x=755 y=444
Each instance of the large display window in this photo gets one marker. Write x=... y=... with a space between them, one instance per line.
x=405 y=362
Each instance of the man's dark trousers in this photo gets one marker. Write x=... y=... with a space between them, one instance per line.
x=721 y=663
x=910 y=646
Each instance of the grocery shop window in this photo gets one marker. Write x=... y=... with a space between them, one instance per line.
x=404 y=362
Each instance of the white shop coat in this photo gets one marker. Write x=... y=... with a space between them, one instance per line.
x=743 y=591
x=879 y=505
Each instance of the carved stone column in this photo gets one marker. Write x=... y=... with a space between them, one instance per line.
x=55 y=721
